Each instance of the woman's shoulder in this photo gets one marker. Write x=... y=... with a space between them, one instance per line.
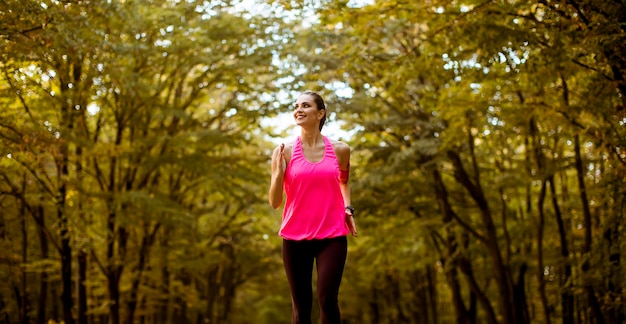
x=342 y=150
x=289 y=144
x=340 y=146
x=287 y=149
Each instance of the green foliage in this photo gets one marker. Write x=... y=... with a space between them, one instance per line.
x=138 y=132
x=488 y=157
x=492 y=95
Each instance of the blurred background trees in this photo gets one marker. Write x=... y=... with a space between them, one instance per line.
x=488 y=146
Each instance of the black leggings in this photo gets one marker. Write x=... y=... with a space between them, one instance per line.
x=330 y=255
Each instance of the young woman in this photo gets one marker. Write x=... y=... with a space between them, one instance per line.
x=313 y=173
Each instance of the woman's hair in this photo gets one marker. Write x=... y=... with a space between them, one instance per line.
x=319 y=101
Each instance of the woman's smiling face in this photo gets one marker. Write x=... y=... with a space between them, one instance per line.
x=305 y=110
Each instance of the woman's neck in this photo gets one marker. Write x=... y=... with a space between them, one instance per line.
x=310 y=137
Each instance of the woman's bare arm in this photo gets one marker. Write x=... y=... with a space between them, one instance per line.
x=342 y=151
x=279 y=164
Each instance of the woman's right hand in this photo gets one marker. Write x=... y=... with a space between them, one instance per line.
x=279 y=165
x=279 y=161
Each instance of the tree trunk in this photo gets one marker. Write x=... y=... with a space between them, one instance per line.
x=43 y=281
x=423 y=303
x=567 y=299
x=229 y=286
x=144 y=250
x=373 y=305
x=55 y=302
x=212 y=290
x=4 y=314
x=501 y=271
x=394 y=298
x=432 y=294
x=418 y=307
x=612 y=241
x=540 y=267
x=82 y=250
x=25 y=304
x=473 y=186
x=466 y=268
x=615 y=286
x=181 y=305
x=115 y=234
x=519 y=289
x=82 y=289
x=114 y=270
x=66 y=272
x=41 y=300
x=540 y=159
x=114 y=298
x=166 y=301
x=593 y=304
x=450 y=268
x=70 y=75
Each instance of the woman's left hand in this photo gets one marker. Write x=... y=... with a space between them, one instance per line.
x=351 y=224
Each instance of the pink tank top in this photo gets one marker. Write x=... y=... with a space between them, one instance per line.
x=314 y=208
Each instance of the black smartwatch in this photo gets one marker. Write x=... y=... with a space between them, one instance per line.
x=351 y=209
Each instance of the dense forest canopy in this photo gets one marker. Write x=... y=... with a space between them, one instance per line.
x=488 y=140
